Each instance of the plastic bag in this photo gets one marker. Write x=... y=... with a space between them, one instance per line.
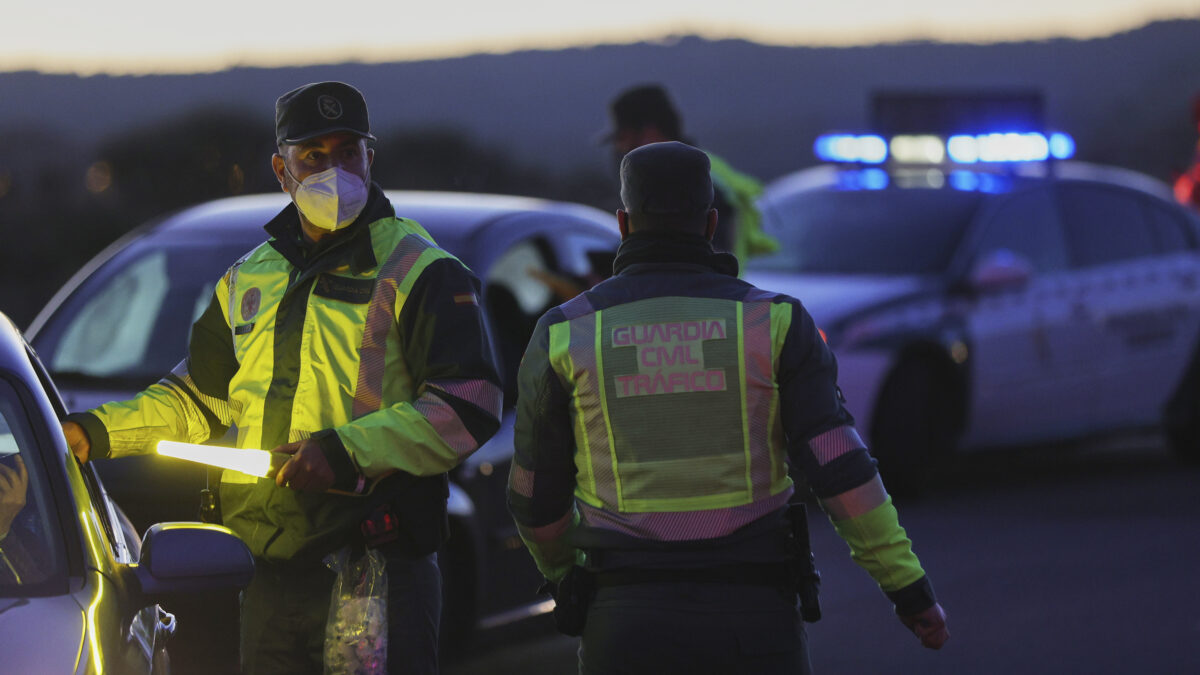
x=356 y=632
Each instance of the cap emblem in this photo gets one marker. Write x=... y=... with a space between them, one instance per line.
x=330 y=107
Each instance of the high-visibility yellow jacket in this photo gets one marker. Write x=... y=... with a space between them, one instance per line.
x=372 y=342
x=659 y=414
x=740 y=191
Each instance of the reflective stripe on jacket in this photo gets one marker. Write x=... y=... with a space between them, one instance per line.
x=374 y=343
x=661 y=407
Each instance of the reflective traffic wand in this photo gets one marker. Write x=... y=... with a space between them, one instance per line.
x=252 y=462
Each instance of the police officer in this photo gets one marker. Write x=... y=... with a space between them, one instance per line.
x=355 y=347
x=658 y=415
x=645 y=114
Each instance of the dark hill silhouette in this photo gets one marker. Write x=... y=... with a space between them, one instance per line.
x=1125 y=97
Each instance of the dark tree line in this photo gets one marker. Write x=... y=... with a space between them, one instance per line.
x=60 y=208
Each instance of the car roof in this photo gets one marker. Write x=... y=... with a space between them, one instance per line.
x=12 y=348
x=832 y=176
x=455 y=213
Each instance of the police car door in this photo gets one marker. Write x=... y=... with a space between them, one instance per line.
x=1019 y=321
x=1139 y=289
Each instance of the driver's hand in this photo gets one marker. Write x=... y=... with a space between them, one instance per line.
x=13 y=485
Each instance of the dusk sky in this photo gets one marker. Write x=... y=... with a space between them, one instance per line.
x=152 y=36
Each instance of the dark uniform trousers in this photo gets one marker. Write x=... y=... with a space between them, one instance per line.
x=693 y=629
x=284 y=610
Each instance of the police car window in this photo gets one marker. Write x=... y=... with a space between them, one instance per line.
x=894 y=231
x=1024 y=222
x=1104 y=225
x=1170 y=227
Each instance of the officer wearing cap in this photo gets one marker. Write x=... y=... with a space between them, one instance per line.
x=645 y=114
x=659 y=417
x=354 y=348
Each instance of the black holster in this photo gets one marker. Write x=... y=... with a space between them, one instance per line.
x=805 y=577
x=571 y=599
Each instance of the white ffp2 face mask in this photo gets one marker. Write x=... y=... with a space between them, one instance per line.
x=331 y=199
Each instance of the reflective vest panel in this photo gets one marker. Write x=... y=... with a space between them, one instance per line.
x=663 y=382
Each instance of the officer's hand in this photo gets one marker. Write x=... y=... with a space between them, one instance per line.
x=929 y=625
x=77 y=440
x=306 y=467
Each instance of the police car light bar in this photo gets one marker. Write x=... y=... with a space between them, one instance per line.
x=866 y=149
x=1011 y=147
x=959 y=149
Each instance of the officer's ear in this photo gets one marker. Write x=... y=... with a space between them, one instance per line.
x=277 y=167
x=623 y=223
x=710 y=227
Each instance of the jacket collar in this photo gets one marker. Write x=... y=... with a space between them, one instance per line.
x=662 y=247
x=351 y=246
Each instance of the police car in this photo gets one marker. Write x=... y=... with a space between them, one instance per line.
x=983 y=290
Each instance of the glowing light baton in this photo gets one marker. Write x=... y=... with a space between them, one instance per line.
x=252 y=462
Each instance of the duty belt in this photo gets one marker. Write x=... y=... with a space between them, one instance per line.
x=774 y=575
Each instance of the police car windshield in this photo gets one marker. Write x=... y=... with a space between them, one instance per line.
x=880 y=232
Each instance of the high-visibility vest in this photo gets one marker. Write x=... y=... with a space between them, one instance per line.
x=676 y=379
x=316 y=349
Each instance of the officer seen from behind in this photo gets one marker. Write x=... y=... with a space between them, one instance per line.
x=659 y=415
x=355 y=349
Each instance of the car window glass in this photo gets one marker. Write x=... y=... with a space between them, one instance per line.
x=29 y=554
x=1169 y=226
x=1104 y=225
x=516 y=293
x=120 y=312
x=587 y=257
x=1027 y=223
x=131 y=319
x=893 y=231
x=516 y=270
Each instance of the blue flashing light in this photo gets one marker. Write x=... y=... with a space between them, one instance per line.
x=999 y=147
x=863 y=179
x=1062 y=146
x=1009 y=147
x=867 y=149
x=964 y=180
x=874 y=179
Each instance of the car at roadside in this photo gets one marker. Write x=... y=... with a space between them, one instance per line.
x=123 y=321
x=79 y=591
x=976 y=305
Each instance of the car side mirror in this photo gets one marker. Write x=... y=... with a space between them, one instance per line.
x=1001 y=269
x=192 y=558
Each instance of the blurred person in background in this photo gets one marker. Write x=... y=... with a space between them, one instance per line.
x=645 y=114
x=659 y=417
x=355 y=349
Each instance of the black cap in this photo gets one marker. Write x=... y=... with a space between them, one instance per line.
x=642 y=106
x=666 y=178
x=320 y=108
